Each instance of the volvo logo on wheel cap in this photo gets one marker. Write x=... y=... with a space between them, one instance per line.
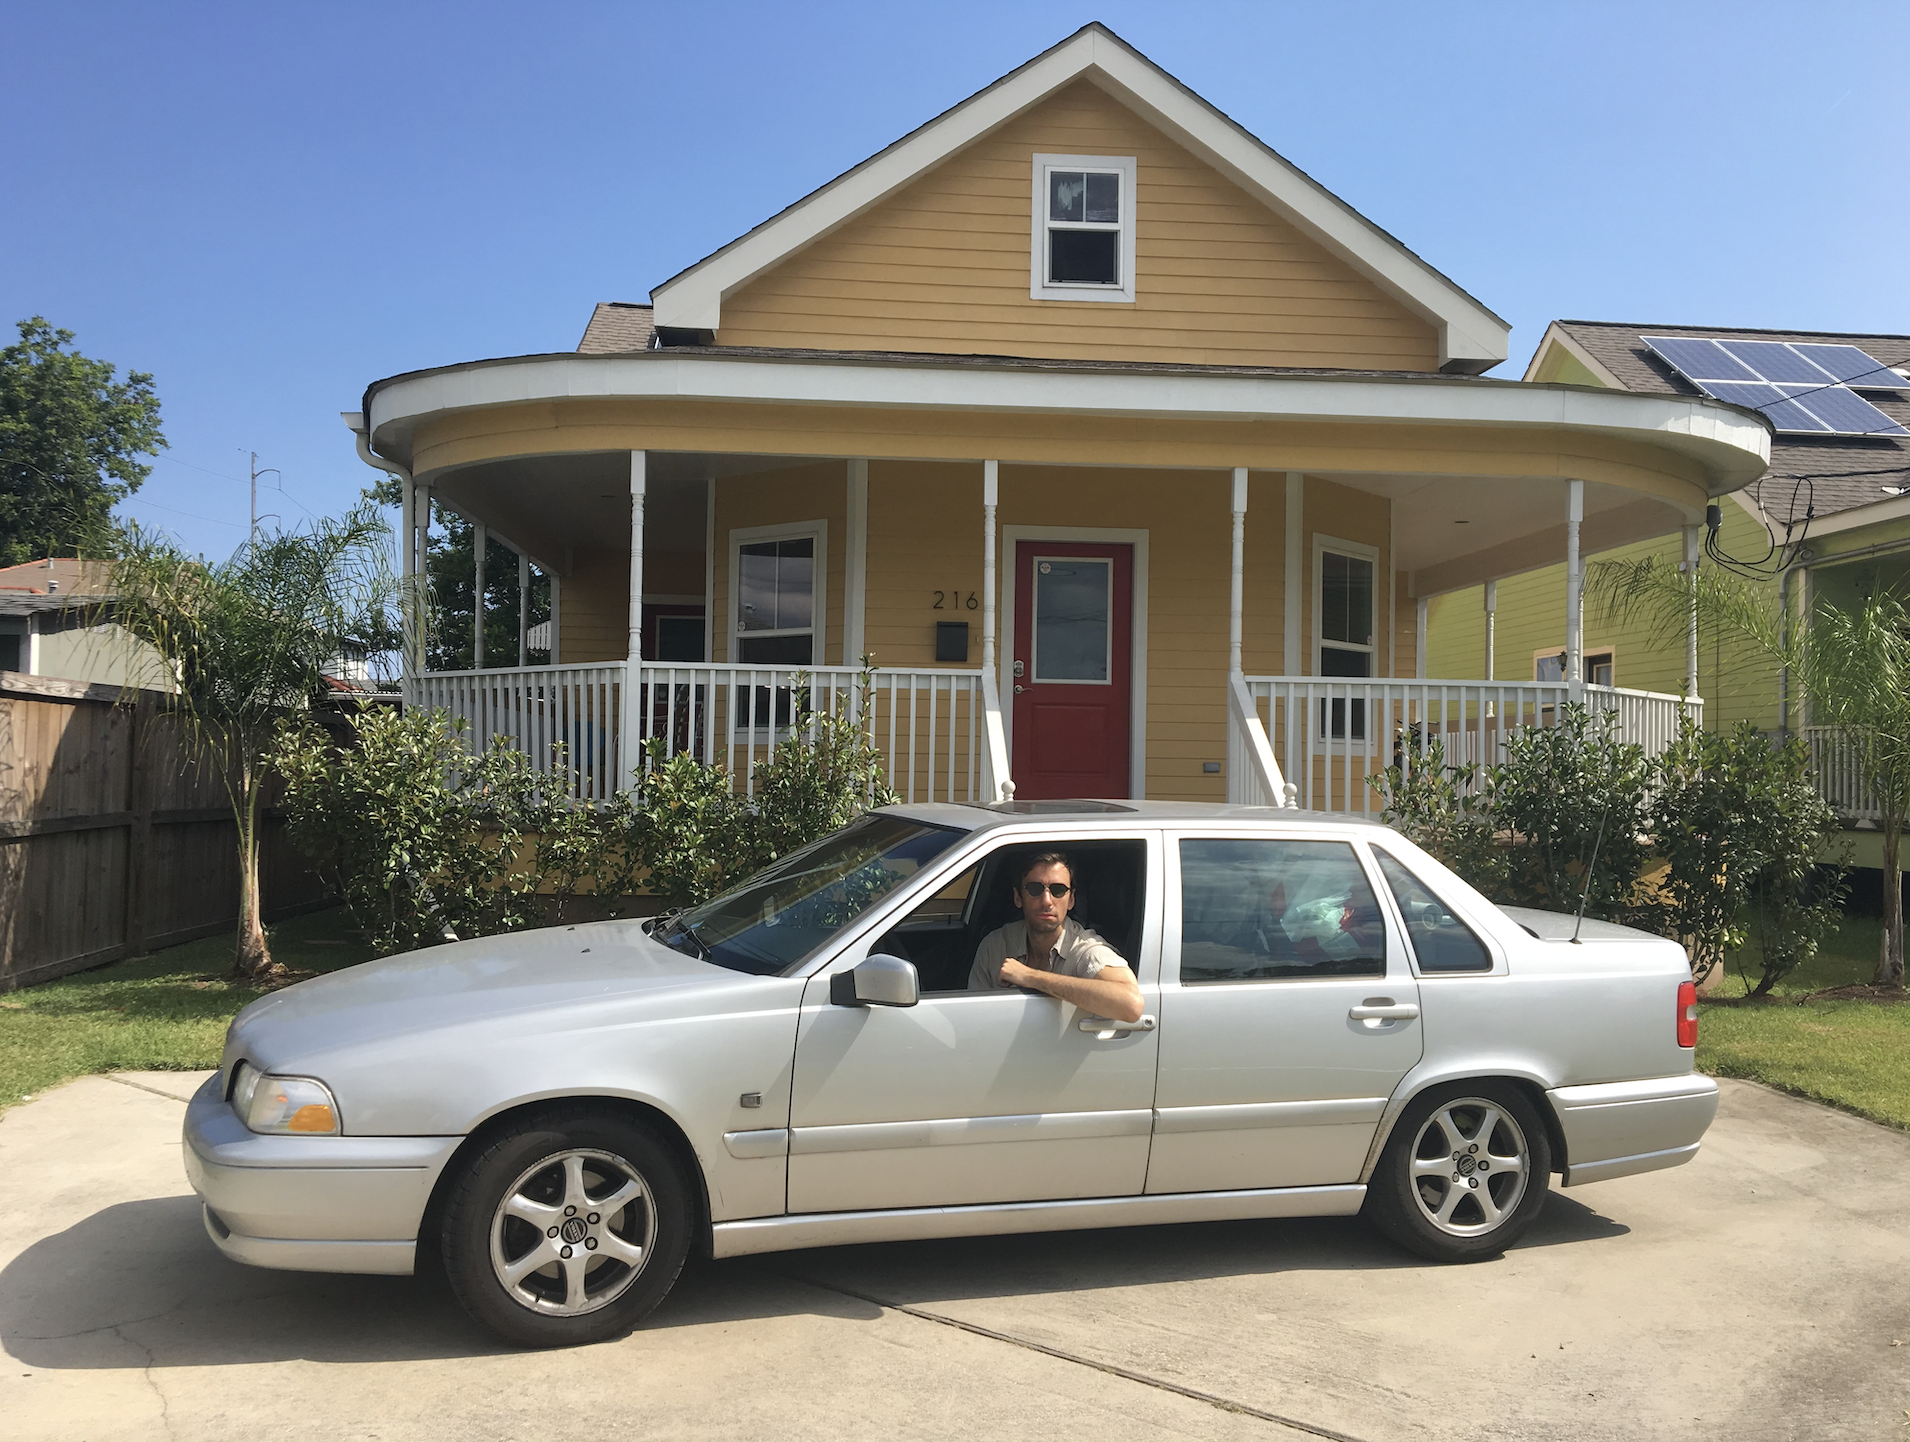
x=575 y=1230
x=1465 y=1164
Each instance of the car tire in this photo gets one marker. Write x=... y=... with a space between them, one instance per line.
x=1463 y=1174
x=568 y=1227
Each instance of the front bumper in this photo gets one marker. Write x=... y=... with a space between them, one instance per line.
x=309 y=1204
x=1619 y=1129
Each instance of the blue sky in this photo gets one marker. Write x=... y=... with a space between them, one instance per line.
x=269 y=206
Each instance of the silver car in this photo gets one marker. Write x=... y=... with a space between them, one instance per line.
x=1332 y=1022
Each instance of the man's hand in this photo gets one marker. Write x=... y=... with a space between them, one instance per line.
x=1114 y=993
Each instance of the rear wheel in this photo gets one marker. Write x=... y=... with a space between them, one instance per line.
x=1463 y=1174
x=568 y=1228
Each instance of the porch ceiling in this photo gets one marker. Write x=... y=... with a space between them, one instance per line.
x=1455 y=531
x=548 y=505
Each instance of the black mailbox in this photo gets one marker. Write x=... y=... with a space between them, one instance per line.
x=951 y=641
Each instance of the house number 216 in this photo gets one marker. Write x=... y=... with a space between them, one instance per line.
x=955 y=601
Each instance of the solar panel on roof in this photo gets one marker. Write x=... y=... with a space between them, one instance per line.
x=1847 y=413
x=1799 y=387
x=1776 y=361
x=1855 y=366
x=1770 y=399
x=1699 y=359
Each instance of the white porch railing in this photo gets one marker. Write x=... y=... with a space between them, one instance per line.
x=1329 y=735
x=1840 y=781
x=539 y=708
x=939 y=731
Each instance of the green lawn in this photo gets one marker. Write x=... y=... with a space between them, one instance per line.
x=1852 y=1054
x=164 y=1012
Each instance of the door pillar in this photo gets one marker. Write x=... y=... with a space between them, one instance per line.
x=1237 y=596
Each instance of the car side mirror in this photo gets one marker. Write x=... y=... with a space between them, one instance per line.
x=879 y=981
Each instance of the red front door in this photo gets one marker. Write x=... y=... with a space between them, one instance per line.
x=1072 y=689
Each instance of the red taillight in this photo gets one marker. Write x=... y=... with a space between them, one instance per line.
x=1687 y=1013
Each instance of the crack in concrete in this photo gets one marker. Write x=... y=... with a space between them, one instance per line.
x=1224 y=1404
x=142 y=1087
x=146 y=1372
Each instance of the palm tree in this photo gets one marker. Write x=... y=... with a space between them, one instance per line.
x=1851 y=667
x=249 y=641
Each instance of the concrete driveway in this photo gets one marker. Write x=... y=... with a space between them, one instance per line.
x=1758 y=1293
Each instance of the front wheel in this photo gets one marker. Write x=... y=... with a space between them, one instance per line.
x=1463 y=1174
x=567 y=1229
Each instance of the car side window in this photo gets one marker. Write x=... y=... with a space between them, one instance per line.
x=1440 y=940
x=1276 y=910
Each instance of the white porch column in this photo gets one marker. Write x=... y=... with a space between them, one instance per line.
x=523 y=608
x=1292 y=656
x=1574 y=592
x=1238 y=595
x=855 y=565
x=422 y=564
x=556 y=607
x=412 y=616
x=1492 y=609
x=1694 y=548
x=480 y=544
x=629 y=754
x=991 y=489
x=1419 y=637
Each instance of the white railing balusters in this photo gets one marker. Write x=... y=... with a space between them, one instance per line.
x=1330 y=734
x=1839 y=777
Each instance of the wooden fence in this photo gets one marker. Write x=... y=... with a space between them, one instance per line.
x=111 y=841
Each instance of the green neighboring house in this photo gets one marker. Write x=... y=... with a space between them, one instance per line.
x=1845 y=498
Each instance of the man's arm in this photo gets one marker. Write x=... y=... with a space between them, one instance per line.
x=1112 y=992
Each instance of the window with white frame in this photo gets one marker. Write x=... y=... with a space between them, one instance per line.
x=1600 y=665
x=776 y=597
x=1345 y=601
x=1083 y=241
x=776 y=604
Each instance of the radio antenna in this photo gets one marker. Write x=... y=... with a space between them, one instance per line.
x=1591 y=870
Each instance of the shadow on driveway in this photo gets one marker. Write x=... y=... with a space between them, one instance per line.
x=144 y=1272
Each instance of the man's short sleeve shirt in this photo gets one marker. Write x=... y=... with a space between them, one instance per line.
x=1079 y=952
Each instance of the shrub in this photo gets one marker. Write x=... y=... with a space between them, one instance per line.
x=1447 y=810
x=425 y=843
x=1572 y=798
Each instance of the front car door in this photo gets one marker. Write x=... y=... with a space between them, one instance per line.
x=1289 y=1013
x=979 y=1097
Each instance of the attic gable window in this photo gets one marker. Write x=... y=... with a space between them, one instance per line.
x=1083 y=233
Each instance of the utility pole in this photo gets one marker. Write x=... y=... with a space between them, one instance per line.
x=252 y=534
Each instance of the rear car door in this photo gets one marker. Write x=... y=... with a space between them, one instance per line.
x=978 y=1097
x=1289 y=1012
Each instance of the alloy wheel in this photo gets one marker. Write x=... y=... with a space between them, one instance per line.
x=573 y=1232
x=1470 y=1166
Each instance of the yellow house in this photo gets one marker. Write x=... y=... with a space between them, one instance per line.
x=1125 y=450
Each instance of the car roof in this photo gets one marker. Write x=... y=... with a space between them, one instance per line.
x=1088 y=812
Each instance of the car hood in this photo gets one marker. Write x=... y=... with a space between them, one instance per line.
x=467 y=984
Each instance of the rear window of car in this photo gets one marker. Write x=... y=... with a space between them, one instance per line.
x=1440 y=940
x=1276 y=910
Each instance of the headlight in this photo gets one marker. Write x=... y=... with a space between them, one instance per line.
x=284 y=1104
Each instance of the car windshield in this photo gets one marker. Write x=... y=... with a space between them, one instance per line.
x=784 y=912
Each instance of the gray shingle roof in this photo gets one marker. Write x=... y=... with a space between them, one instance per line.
x=617 y=326
x=1844 y=472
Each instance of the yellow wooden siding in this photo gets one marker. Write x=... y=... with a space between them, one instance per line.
x=943 y=266
x=813 y=492
x=593 y=622
x=1735 y=684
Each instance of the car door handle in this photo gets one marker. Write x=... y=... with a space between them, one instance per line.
x=1104 y=1029
x=1402 y=1011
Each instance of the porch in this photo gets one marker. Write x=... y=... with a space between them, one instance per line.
x=1116 y=611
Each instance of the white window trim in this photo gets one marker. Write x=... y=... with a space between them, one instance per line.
x=819 y=617
x=1039 y=287
x=1586 y=653
x=1359 y=552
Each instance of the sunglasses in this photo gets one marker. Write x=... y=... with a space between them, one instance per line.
x=1033 y=889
